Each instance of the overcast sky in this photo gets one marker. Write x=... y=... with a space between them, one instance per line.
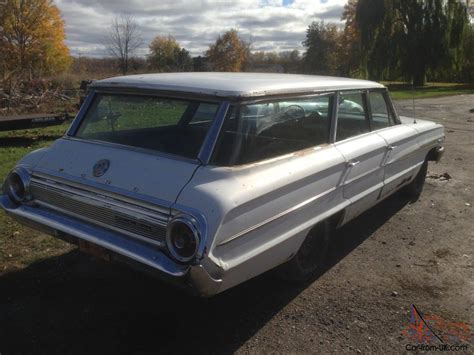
x=271 y=25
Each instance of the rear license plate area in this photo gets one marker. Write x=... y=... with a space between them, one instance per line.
x=94 y=250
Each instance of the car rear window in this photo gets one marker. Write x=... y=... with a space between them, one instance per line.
x=172 y=126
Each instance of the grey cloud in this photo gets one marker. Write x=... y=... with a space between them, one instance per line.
x=271 y=22
x=333 y=12
x=194 y=24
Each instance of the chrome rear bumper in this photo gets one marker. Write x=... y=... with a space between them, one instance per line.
x=438 y=153
x=121 y=247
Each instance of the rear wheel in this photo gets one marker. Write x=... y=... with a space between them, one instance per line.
x=413 y=189
x=310 y=258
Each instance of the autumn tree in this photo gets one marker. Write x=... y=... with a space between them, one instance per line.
x=123 y=39
x=229 y=52
x=321 y=48
x=31 y=39
x=349 y=52
x=167 y=55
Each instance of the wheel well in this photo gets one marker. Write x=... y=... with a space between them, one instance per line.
x=336 y=219
x=431 y=156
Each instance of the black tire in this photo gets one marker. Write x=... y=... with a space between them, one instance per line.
x=413 y=189
x=309 y=260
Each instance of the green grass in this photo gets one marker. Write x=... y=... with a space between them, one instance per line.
x=403 y=91
x=20 y=246
x=116 y=113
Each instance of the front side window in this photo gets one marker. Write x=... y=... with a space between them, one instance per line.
x=380 y=112
x=165 y=125
x=352 y=118
x=262 y=131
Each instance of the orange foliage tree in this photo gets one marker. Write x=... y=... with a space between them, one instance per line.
x=167 y=55
x=229 y=52
x=32 y=39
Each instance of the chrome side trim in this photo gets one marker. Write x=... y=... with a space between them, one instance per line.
x=277 y=216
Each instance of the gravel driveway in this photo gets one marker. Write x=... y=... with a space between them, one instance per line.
x=393 y=256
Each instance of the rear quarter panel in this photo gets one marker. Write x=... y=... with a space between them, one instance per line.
x=259 y=214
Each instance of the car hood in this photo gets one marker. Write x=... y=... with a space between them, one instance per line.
x=130 y=171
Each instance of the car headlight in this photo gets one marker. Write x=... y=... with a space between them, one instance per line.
x=182 y=238
x=17 y=185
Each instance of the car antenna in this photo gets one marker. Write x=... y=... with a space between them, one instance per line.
x=413 y=99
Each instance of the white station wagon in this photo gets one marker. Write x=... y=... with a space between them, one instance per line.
x=210 y=179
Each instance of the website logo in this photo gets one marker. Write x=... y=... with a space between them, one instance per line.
x=431 y=332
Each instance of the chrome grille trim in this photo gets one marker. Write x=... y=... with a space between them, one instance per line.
x=127 y=219
x=108 y=191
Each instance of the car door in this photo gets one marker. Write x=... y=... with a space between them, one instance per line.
x=364 y=151
x=401 y=161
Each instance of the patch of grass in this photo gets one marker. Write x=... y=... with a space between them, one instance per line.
x=21 y=246
x=404 y=91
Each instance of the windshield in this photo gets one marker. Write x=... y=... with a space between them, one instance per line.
x=172 y=126
x=262 y=131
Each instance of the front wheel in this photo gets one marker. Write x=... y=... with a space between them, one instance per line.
x=413 y=189
x=310 y=258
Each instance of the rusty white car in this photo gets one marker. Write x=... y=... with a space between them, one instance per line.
x=210 y=179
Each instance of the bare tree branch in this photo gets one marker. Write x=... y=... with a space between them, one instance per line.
x=123 y=39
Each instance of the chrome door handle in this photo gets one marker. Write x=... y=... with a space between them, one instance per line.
x=353 y=163
x=391 y=147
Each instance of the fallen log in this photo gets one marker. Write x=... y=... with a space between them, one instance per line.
x=11 y=123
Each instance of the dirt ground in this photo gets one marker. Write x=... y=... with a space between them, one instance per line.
x=393 y=256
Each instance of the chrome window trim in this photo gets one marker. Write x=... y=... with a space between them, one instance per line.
x=213 y=133
x=283 y=97
x=391 y=106
x=80 y=115
x=367 y=113
x=335 y=111
x=387 y=104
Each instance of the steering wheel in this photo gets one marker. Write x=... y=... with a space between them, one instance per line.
x=295 y=112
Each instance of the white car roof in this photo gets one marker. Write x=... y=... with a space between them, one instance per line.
x=234 y=84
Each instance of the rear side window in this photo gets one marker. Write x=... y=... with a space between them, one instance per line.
x=352 y=117
x=380 y=112
x=262 y=131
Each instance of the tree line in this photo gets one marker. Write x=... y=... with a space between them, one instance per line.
x=409 y=40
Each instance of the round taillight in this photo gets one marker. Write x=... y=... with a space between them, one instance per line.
x=182 y=239
x=17 y=185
